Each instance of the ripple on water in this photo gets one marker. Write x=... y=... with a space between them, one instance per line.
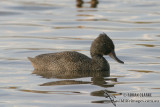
x=8 y=13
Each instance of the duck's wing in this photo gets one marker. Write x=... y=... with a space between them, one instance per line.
x=66 y=60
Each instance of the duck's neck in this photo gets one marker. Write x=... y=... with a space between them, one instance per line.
x=99 y=62
x=95 y=54
x=98 y=58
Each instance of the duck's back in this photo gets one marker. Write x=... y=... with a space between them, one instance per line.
x=62 y=61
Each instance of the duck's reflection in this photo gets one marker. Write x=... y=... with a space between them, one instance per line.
x=98 y=78
x=72 y=74
x=93 y=3
x=65 y=82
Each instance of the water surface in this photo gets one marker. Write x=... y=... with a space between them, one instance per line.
x=33 y=27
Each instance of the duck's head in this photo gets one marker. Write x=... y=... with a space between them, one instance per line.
x=103 y=45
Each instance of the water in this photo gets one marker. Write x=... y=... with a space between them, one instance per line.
x=33 y=27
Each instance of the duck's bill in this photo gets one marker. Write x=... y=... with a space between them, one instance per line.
x=113 y=55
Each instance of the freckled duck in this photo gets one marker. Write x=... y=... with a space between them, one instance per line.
x=75 y=61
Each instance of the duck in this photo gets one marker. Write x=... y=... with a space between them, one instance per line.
x=75 y=61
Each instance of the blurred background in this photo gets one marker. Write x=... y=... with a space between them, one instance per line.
x=33 y=27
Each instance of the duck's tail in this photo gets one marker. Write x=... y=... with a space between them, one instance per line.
x=32 y=62
x=31 y=59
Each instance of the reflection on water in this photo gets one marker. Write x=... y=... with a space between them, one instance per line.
x=99 y=81
x=71 y=74
x=64 y=82
x=33 y=27
x=98 y=78
x=93 y=3
x=145 y=71
x=43 y=92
